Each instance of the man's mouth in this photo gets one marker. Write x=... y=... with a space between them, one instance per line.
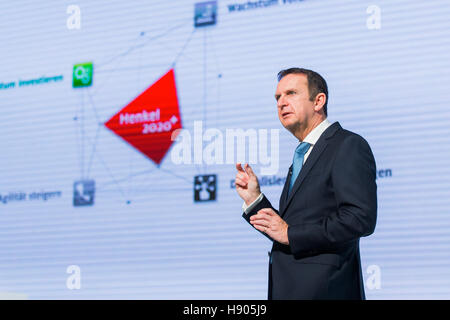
x=285 y=114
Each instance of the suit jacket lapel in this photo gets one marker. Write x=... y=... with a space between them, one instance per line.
x=317 y=150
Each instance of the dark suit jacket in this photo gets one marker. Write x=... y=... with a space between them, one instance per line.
x=332 y=204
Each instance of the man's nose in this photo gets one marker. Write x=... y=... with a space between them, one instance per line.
x=281 y=102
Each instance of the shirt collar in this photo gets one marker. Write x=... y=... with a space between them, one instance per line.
x=315 y=134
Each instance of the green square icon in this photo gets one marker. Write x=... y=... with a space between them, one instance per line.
x=82 y=75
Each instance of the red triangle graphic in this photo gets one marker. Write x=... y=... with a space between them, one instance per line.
x=148 y=121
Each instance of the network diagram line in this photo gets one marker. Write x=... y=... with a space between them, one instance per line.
x=183 y=48
x=132 y=48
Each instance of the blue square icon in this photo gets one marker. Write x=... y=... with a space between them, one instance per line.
x=83 y=193
x=205 y=13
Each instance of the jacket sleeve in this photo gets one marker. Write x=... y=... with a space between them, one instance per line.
x=264 y=203
x=353 y=178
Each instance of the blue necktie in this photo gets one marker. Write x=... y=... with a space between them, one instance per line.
x=299 y=155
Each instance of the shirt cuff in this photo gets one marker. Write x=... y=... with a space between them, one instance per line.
x=252 y=205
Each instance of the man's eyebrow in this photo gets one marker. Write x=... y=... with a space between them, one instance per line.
x=277 y=96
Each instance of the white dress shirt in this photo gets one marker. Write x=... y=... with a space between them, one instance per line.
x=311 y=138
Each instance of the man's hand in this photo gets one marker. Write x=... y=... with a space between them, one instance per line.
x=247 y=185
x=269 y=222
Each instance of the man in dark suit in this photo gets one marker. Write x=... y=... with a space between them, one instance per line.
x=328 y=202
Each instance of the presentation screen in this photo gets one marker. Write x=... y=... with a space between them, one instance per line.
x=122 y=122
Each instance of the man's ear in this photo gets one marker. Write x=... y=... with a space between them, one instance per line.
x=319 y=102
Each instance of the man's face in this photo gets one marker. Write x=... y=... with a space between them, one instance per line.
x=294 y=107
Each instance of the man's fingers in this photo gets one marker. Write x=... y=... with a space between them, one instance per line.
x=260 y=216
x=261 y=227
x=240 y=183
x=241 y=176
x=267 y=211
x=249 y=170
x=239 y=167
x=258 y=227
x=264 y=223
